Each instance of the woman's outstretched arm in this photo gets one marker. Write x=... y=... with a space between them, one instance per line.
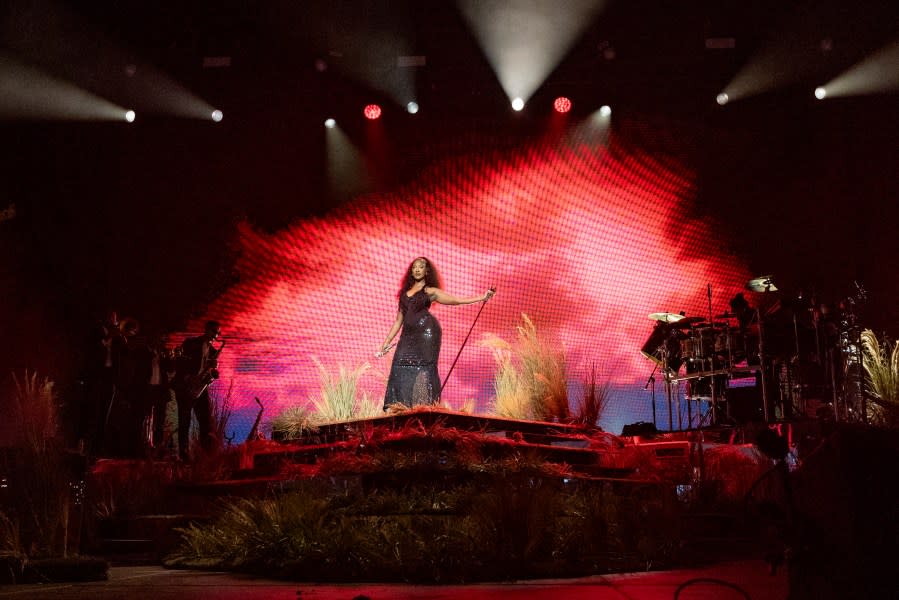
x=438 y=295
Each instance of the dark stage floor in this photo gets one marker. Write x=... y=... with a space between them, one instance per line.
x=163 y=584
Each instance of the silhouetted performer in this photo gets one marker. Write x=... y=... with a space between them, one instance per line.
x=413 y=375
x=102 y=361
x=197 y=369
x=741 y=309
x=124 y=415
x=155 y=371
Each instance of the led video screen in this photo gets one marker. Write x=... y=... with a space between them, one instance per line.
x=584 y=234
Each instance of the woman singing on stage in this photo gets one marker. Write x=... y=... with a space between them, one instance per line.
x=413 y=375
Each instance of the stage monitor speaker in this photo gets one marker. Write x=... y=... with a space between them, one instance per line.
x=639 y=428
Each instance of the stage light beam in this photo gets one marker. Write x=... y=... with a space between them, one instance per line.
x=524 y=41
x=878 y=73
x=49 y=35
x=26 y=92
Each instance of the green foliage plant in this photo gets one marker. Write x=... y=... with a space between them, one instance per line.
x=507 y=524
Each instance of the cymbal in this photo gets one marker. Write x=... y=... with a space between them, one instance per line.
x=666 y=317
x=688 y=321
x=765 y=283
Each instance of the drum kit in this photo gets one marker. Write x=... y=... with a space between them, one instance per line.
x=716 y=354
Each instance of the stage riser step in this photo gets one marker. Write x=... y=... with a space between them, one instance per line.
x=270 y=462
x=135 y=540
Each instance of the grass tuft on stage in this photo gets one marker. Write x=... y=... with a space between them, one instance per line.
x=531 y=377
x=881 y=363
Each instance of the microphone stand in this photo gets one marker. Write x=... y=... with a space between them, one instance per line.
x=652 y=381
x=459 y=353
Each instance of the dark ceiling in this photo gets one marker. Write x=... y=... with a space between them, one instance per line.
x=139 y=216
x=660 y=55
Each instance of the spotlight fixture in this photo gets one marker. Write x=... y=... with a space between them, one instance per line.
x=517 y=104
x=330 y=123
x=412 y=107
x=562 y=104
x=820 y=93
x=217 y=115
x=722 y=98
x=130 y=116
x=372 y=112
x=605 y=110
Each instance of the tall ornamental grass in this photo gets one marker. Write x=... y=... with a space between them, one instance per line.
x=881 y=363
x=531 y=378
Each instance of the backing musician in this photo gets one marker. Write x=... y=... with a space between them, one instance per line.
x=157 y=369
x=196 y=370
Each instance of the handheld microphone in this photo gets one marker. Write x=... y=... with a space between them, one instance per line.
x=381 y=353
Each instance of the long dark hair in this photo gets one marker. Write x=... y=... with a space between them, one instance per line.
x=432 y=279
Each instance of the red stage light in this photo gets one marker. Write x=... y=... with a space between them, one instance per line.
x=372 y=112
x=562 y=104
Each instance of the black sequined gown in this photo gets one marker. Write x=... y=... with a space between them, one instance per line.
x=413 y=375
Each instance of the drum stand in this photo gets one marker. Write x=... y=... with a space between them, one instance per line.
x=666 y=372
x=714 y=407
x=702 y=418
x=765 y=411
x=764 y=284
x=652 y=382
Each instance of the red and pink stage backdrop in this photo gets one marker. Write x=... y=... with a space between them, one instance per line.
x=583 y=235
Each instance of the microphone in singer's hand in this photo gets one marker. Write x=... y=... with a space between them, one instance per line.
x=381 y=353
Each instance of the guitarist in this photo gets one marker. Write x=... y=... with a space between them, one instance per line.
x=196 y=370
